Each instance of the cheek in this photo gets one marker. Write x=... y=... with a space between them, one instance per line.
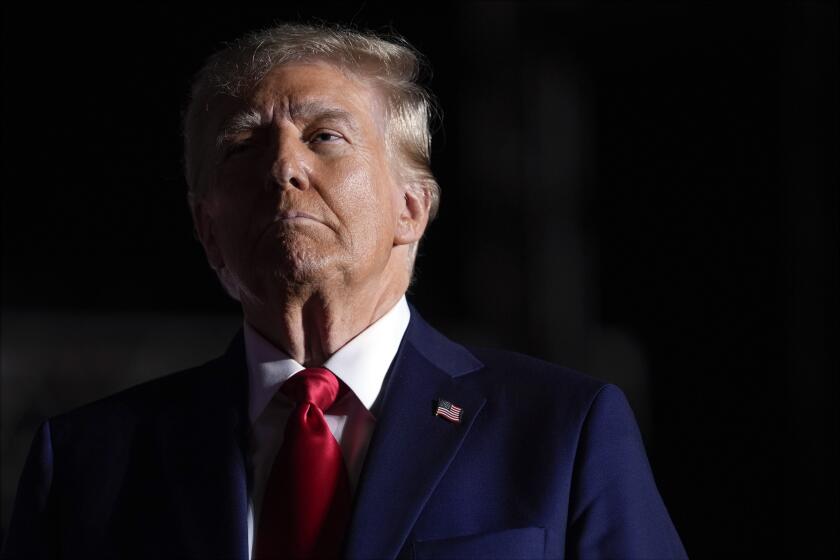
x=244 y=174
x=236 y=221
x=367 y=202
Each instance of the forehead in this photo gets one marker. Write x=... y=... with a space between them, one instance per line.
x=300 y=89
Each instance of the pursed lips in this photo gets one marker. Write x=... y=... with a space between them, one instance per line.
x=294 y=215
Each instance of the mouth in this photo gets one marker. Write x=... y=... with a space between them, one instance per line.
x=294 y=216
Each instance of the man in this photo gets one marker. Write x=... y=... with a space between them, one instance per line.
x=338 y=423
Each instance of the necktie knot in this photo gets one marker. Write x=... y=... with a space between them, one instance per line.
x=314 y=385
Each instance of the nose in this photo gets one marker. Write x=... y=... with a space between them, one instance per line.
x=289 y=168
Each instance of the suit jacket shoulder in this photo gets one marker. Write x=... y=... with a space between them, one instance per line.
x=546 y=384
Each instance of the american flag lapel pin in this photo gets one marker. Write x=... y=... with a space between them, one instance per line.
x=448 y=411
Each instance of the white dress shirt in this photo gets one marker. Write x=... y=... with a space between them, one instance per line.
x=361 y=364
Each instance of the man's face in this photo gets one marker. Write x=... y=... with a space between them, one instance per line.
x=303 y=192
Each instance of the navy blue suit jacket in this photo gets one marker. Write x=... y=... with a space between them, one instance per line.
x=546 y=463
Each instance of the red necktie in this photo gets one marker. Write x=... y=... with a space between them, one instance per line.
x=306 y=506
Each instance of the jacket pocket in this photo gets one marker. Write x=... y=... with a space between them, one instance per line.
x=512 y=544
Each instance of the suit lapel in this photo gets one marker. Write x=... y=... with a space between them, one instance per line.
x=411 y=448
x=203 y=451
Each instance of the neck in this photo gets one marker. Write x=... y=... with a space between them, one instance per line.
x=311 y=324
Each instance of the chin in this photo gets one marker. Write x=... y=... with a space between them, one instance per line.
x=296 y=263
x=300 y=270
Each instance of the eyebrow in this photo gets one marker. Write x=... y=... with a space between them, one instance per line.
x=316 y=110
x=238 y=122
x=308 y=111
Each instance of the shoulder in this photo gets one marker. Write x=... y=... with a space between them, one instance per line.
x=527 y=371
x=511 y=379
x=141 y=404
x=528 y=381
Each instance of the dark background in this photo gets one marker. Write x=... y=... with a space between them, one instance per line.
x=644 y=192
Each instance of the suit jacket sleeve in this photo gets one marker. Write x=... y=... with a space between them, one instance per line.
x=616 y=509
x=32 y=529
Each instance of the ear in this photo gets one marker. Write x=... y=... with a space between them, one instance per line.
x=203 y=225
x=414 y=215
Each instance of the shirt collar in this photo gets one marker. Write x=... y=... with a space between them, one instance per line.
x=361 y=364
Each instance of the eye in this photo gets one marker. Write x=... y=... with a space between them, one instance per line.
x=324 y=136
x=237 y=148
